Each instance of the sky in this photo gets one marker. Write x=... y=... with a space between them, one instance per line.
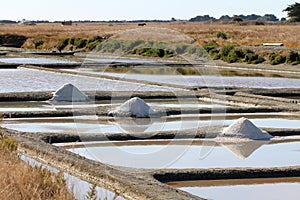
x=58 y=10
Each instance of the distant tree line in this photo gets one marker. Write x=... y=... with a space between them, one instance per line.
x=253 y=17
x=15 y=22
x=7 y=22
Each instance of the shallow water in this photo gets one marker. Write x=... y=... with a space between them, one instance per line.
x=215 y=81
x=205 y=155
x=187 y=105
x=120 y=125
x=112 y=60
x=41 y=61
x=252 y=189
x=45 y=106
x=82 y=126
x=27 y=80
x=25 y=106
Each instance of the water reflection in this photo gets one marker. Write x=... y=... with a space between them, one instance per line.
x=243 y=149
x=35 y=61
x=133 y=125
x=151 y=155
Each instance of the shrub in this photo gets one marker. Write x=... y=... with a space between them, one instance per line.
x=272 y=56
x=258 y=60
x=214 y=54
x=72 y=41
x=292 y=57
x=95 y=38
x=92 y=45
x=295 y=63
x=233 y=56
x=259 y=23
x=226 y=49
x=153 y=52
x=210 y=46
x=279 y=59
x=239 y=55
x=181 y=48
x=246 y=51
x=222 y=35
x=62 y=44
x=250 y=57
x=80 y=43
x=38 y=43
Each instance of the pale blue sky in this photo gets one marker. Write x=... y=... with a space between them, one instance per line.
x=135 y=9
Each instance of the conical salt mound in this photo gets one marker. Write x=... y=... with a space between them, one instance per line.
x=69 y=93
x=135 y=107
x=244 y=128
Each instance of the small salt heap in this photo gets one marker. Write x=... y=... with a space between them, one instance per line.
x=69 y=93
x=135 y=107
x=244 y=128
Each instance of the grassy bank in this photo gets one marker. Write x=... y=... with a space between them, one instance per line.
x=246 y=35
x=22 y=181
x=227 y=37
x=232 y=53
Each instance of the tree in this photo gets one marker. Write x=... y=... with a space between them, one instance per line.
x=202 y=18
x=237 y=19
x=293 y=12
x=268 y=17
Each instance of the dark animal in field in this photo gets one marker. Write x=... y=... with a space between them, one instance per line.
x=142 y=24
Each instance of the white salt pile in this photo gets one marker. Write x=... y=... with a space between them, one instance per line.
x=69 y=93
x=135 y=107
x=244 y=128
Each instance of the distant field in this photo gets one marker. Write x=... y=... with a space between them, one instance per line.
x=243 y=35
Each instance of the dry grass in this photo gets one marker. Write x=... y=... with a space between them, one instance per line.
x=202 y=32
x=21 y=181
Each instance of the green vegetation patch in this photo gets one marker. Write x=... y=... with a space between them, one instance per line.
x=222 y=35
x=152 y=52
x=293 y=58
x=62 y=44
x=231 y=54
x=38 y=43
x=276 y=59
x=80 y=43
x=151 y=48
